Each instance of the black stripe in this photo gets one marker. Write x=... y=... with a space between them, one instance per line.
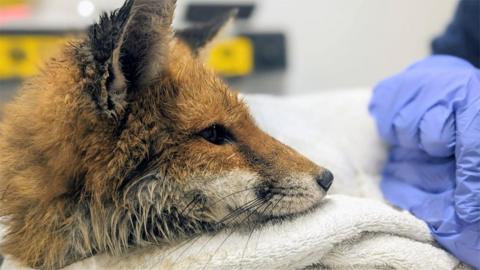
x=261 y=165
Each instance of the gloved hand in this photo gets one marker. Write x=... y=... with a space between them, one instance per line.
x=430 y=116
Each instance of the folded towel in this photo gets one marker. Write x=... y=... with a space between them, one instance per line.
x=344 y=232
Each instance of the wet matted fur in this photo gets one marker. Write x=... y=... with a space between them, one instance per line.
x=125 y=139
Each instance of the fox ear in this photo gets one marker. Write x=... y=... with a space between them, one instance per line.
x=142 y=46
x=200 y=36
x=130 y=47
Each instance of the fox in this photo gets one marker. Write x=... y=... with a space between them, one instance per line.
x=126 y=139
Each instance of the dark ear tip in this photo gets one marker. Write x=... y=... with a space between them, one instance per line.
x=199 y=35
x=233 y=12
x=226 y=15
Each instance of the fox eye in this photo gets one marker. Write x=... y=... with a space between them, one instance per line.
x=217 y=134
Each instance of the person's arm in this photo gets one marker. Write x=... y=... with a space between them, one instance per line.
x=462 y=36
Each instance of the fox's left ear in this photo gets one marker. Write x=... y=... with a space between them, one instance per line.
x=141 y=51
x=131 y=45
x=200 y=36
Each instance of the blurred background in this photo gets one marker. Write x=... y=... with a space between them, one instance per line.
x=276 y=46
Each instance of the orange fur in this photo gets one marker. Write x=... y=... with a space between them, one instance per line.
x=73 y=185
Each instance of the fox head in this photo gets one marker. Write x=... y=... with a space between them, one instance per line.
x=126 y=139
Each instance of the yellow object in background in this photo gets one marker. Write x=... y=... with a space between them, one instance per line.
x=4 y=3
x=21 y=55
x=232 y=57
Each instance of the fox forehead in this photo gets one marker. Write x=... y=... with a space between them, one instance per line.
x=202 y=98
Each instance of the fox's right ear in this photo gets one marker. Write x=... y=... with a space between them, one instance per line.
x=199 y=37
x=132 y=45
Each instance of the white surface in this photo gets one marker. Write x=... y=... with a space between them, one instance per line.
x=349 y=43
x=343 y=233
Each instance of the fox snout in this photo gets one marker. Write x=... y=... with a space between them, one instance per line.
x=276 y=179
x=283 y=168
x=325 y=179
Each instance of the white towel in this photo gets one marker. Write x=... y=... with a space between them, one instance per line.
x=344 y=233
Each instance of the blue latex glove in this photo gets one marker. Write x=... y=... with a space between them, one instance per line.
x=430 y=116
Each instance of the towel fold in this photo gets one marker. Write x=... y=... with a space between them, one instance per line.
x=343 y=233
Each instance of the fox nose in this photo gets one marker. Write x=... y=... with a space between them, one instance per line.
x=325 y=179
